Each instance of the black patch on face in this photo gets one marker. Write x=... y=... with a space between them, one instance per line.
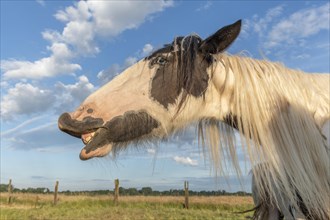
x=184 y=72
x=125 y=128
x=164 y=87
x=75 y=127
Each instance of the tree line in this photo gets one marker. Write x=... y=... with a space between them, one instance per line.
x=144 y=191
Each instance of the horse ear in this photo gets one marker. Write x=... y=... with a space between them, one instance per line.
x=222 y=39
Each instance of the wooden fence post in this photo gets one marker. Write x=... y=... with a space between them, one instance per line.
x=10 y=192
x=116 y=191
x=36 y=202
x=55 y=193
x=186 y=194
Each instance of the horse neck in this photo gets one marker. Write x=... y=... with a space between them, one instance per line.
x=276 y=108
x=236 y=76
x=222 y=90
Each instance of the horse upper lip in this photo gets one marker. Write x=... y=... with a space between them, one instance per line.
x=76 y=128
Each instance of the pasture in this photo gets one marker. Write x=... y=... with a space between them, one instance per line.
x=40 y=206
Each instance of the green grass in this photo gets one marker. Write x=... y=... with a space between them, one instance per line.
x=102 y=207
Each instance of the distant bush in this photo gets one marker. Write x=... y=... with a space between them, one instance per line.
x=3 y=187
x=145 y=191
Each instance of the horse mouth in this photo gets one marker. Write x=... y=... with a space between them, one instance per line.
x=92 y=133
x=100 y=138
x=92 y=146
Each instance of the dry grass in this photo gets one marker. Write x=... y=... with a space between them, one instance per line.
x=130 y=207
x=214 y=200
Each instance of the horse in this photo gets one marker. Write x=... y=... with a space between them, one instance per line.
x=266 y=209
x=281 y=114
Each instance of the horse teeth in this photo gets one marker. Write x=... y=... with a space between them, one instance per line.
x=88 y=139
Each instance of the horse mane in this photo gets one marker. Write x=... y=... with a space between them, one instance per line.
x=275 y=111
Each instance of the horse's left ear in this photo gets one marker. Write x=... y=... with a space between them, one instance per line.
x=222 y=39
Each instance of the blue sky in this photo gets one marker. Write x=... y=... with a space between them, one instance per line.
x=55 y=53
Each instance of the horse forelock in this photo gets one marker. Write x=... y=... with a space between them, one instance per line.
x=180 y=43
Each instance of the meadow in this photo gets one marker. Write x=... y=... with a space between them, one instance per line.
x=40 y=206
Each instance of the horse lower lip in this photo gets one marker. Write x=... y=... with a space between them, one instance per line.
x=99 y=152
x=84 y=156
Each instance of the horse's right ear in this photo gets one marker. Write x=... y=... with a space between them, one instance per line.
x=222 y=39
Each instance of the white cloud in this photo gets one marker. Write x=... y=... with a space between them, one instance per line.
x=292 y=37
x=106 y=75
x=112 y=17
x=85 y=21
x=147 y=49
x=129 y=61
x=151 y=151
x=205 y=6
x=25 y=99
x=261 y=24
x=301 y=56
x=41 y=2
x=46 y=67
x=22 y=125
x=80 y=35
x=299 y=25
x=185 y=161
x=44 y=138
x=70 y=95
x=4 y=85
x=79 y=12
x=56 y=64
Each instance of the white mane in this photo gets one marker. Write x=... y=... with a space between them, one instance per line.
x=281 y=112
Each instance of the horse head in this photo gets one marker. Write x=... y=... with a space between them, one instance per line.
x=154 y=97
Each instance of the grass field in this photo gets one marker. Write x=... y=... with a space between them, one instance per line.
x=24 y=206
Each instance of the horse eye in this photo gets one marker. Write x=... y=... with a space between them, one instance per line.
x=161 y=61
